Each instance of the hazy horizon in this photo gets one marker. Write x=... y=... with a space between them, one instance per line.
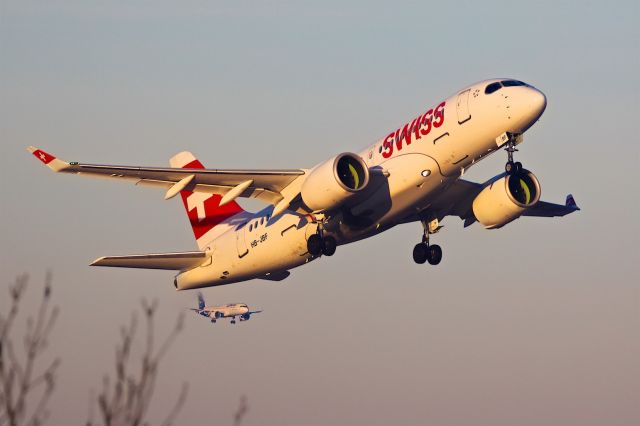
x=536 y=323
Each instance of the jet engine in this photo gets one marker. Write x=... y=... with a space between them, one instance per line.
x=334 y=181
x=505 y=198
x=245 y=317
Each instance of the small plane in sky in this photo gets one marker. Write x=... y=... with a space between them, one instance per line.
x=231 y=310
x=412 y=175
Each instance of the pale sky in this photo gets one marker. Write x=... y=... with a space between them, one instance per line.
x=534 y=324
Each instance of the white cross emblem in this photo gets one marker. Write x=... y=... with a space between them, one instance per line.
x=43 y=157
x=196 y=201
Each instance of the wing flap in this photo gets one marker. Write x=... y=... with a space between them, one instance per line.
x=275 y=180
x=169 y=261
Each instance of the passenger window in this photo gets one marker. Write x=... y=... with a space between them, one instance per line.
x=261 y=220
x=493 y=87
x=250 y=227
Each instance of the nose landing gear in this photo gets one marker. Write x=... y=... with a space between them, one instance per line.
x=425 y=252
x=512 y=167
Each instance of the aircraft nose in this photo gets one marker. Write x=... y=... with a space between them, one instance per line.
x=527 y=105
x=538 y=102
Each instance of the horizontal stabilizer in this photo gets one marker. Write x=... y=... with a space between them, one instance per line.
x=170 y=261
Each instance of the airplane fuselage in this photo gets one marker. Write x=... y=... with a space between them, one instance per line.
x=416 y=162
x=226 y=311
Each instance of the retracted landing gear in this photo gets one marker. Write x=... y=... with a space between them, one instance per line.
x=512 y=167
x=425 y=252
x=319 y=243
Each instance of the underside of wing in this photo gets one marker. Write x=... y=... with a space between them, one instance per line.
x=458 y=199
x=545 y=209
x=169 y=261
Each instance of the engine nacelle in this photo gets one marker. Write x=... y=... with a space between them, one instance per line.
x=506 y=198
x=333 y=182
x=245 y=317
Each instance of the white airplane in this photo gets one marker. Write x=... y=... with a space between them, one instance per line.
x=413 y=174
x=231 y=310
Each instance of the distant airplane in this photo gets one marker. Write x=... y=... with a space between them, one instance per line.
x=231 y=310
x=414 y=174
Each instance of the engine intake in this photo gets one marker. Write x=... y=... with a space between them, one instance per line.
x=334 y=181
x=505 y=198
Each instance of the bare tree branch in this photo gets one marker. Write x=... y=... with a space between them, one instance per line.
x=18 y=380
x=125 y=399
x=242 y=411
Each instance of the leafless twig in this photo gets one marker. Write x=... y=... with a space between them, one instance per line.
x=19 y=381
x=125 y=398
x=241 y=412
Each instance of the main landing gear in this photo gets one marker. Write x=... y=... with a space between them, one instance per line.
x=425 y=252
x=319 y=243
x=512 y=167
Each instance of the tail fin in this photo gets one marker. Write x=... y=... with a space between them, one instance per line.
x=200 y=301
x=203 y=208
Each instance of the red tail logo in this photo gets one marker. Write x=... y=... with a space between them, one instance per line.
x=203 y=208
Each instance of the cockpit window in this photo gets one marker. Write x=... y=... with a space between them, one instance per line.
x=493 y=87
x=512 y=83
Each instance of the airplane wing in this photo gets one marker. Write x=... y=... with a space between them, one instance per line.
x=457 y=200
x=170 y=261
x=544 y=209
x=266 y=185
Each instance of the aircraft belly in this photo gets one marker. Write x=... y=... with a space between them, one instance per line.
x=405 y=186
x=275 y=246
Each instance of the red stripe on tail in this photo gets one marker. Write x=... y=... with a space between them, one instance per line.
x=204 y=209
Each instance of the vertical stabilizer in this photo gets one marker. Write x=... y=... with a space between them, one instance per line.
x=200 y=301
x=203 y=208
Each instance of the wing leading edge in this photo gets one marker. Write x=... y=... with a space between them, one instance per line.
x=266 y=185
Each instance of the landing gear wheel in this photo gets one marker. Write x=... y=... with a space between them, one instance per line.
x=510 y=167
x=314 y=245
x=518 y=166
x=329 y=246
x=233 y=321
x=420 y=253
x=435 y=254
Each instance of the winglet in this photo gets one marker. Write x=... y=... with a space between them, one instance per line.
x=571 y=203
x=48 y=160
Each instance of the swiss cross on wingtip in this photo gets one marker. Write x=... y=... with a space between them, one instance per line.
x=43 y=156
